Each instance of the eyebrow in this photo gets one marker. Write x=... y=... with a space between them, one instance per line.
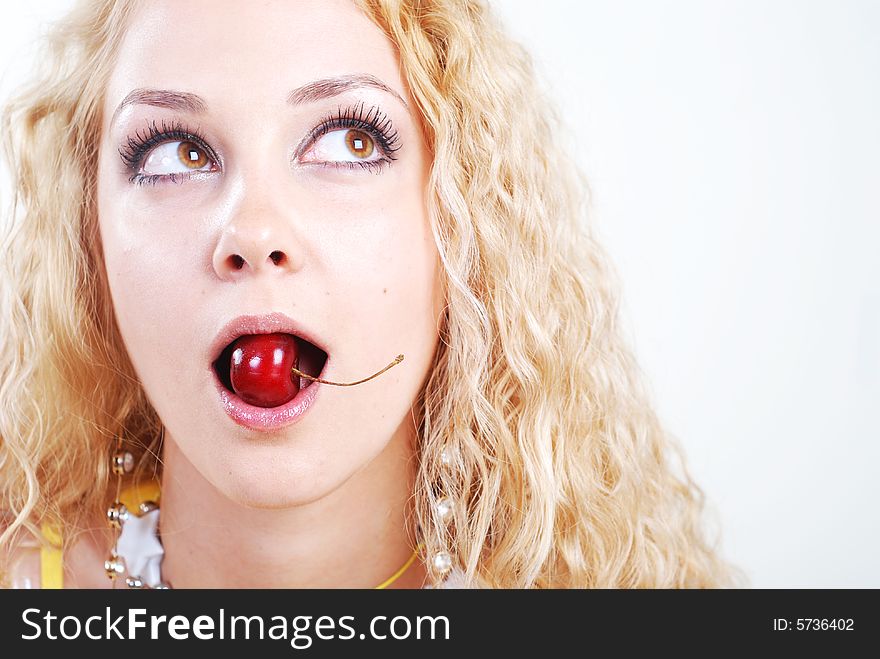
x=308 y=93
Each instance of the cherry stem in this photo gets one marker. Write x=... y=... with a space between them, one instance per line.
x=396 y=361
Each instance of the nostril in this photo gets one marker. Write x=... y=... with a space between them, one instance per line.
x=277 y=257
x=237 y=261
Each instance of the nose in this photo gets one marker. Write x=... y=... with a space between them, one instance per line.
x=256 y=238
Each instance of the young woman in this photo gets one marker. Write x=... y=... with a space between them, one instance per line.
x=226 y=218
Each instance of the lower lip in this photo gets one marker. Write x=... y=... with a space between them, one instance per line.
x=268 y=418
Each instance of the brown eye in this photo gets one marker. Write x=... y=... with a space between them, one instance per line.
x=192 y=155
x=359 y=143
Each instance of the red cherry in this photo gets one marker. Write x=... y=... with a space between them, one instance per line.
x=260 y=369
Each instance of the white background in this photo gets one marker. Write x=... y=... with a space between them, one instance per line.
x=733 y=150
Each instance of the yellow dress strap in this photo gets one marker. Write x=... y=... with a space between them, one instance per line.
x=137 y=493
x=51 y=558
x=51 y=562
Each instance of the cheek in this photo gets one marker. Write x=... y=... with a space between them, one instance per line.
x=382 y=244
x=392 y=307
x=150 y=276
x=387 y=278
x=149 y=241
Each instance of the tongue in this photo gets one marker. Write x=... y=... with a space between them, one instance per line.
x=260 y=369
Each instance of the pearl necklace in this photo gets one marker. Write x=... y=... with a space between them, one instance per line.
x=142 y=553
x=139 y=552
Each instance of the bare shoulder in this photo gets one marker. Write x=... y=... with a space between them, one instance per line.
x=82 y=560
x=19 y=558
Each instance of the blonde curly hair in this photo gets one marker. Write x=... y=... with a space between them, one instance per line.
x=535 y=416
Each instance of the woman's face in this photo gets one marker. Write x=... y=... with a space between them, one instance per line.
x=295 y=184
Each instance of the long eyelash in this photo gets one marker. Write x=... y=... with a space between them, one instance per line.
x=371 y=120
x=137 y=147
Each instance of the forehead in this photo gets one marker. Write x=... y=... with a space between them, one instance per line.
x=248 y=55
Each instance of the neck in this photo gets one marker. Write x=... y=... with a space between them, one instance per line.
x=354 y=537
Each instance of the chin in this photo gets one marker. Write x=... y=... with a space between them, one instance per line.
x=276 y=486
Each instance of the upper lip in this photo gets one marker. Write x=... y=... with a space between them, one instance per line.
x=259 y=324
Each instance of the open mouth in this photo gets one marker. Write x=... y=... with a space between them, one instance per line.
x=310 y=360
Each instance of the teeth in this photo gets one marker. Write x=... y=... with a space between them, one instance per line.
x=302 y=380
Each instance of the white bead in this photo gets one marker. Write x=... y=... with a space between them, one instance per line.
x=114 y=566
x=117 y=514
x=147 y=507
x=134 y=582
x=442 y=562
x=444 y=509
x=123 y=463
x=446 y=457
